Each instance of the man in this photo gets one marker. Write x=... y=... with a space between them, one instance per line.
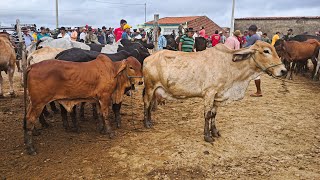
x=162 y=41
x=187 y=42
x=63 y=34
x=126 y=33
x=265 y=38
x=275 y=38
x=35 y=36
x=91 y=37
x=180 y=30
x=26 y=36
x=118 y=32
x=74 y=35
x=195 y=34
x=83 y=35
x=222 y=37
x=173 y=34
x=289 y=35
x=42 y=33
x=215 y=38
x=252 y=39
x=202 y=32
x=48 y=32
x=259 y=32
x=104 y=34
x=233 y=42
x=100 y=37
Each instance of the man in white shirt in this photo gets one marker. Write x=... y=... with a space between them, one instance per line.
x=63 y=34
x=83 y=35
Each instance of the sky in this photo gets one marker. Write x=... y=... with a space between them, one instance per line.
x=97 y=13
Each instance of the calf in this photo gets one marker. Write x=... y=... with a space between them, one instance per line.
x=100 y=80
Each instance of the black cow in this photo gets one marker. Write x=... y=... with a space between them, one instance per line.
x=200 y=43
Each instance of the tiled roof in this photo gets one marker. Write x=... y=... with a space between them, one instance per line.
x=174 y=20
x=278 y=18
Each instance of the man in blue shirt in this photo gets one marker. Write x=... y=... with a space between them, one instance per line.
x=162 y=41
x=42 y=33
x=253 y=37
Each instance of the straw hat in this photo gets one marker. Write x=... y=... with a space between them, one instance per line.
x=237 y=33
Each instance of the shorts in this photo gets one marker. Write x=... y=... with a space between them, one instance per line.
x=257 y=78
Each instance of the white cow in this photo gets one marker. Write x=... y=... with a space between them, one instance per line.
x=219 y=75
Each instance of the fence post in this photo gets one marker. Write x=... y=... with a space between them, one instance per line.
x=155 y=31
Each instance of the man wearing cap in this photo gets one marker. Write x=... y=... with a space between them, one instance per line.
x=233 y=42
x=42 y=33
x=275 y=38
x=91 y=37
x=126 y=33
x=118 y=32
x=186 y=41
x=63 y=34
x=83 y=34
x=253 y=37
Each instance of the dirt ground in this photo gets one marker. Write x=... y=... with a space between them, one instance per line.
x=276 y=136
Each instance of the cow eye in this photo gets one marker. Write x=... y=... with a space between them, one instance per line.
x=131 y=67
x=266 y=51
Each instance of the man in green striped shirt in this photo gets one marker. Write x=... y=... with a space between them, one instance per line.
x=187 y=42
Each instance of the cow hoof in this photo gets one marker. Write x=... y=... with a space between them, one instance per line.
x=215 y=134
x=111 y=135
x=148 y=124
x=1 y=96
x=75 y=130
x=208 y=139
x=35 y=132
x=31 y=151
x=45 y=125
x=12 y=94
x=103 y=131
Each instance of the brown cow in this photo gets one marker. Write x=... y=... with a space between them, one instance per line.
x=69 y=83
x=295 y=51
x=7 y=62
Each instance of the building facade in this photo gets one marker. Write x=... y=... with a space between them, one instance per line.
x=168 y=24
x=271 y=25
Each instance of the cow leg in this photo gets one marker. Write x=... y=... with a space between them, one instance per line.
x=104 y=109
x=148 y=103
x=45 y=112
x=116 y=110
x=53 y=107
x=43 y=121
x=74 y=119
x=315 y=71
x=213 y=129
x=34 y=111
x=11 y=73
x=64 y=115
x=94 y=111
x=1 y=86
x=82 y=111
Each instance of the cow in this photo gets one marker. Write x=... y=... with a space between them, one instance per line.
x=295 y=51
x=200 y=43
x=7 y=63
x=219 y=75
x=43 y=54
x=136 y=49
x=80 y=55
x=100 y=81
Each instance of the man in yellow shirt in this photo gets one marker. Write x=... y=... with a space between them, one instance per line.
x=275 y=38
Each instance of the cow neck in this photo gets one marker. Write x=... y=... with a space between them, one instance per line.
x=121 y=84
x=249 y=69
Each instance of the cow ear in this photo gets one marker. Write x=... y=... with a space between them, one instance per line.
x=242 y=55
x=121 y=67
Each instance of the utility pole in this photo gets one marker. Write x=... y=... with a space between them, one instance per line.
x=232 y=19
x=155 y=31
x=145 y=12
x=57 y=16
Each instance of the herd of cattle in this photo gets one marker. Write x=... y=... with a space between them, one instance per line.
x=104 y=74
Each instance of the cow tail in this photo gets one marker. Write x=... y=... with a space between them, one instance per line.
x=25 y=94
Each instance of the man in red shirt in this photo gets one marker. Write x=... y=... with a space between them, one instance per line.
x=118 y=32
x=215 y=38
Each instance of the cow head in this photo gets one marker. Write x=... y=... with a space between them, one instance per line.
x=264 y=56
x=133 y=70
x=136 y=49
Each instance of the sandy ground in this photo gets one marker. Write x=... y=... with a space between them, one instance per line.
x=276 y=136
